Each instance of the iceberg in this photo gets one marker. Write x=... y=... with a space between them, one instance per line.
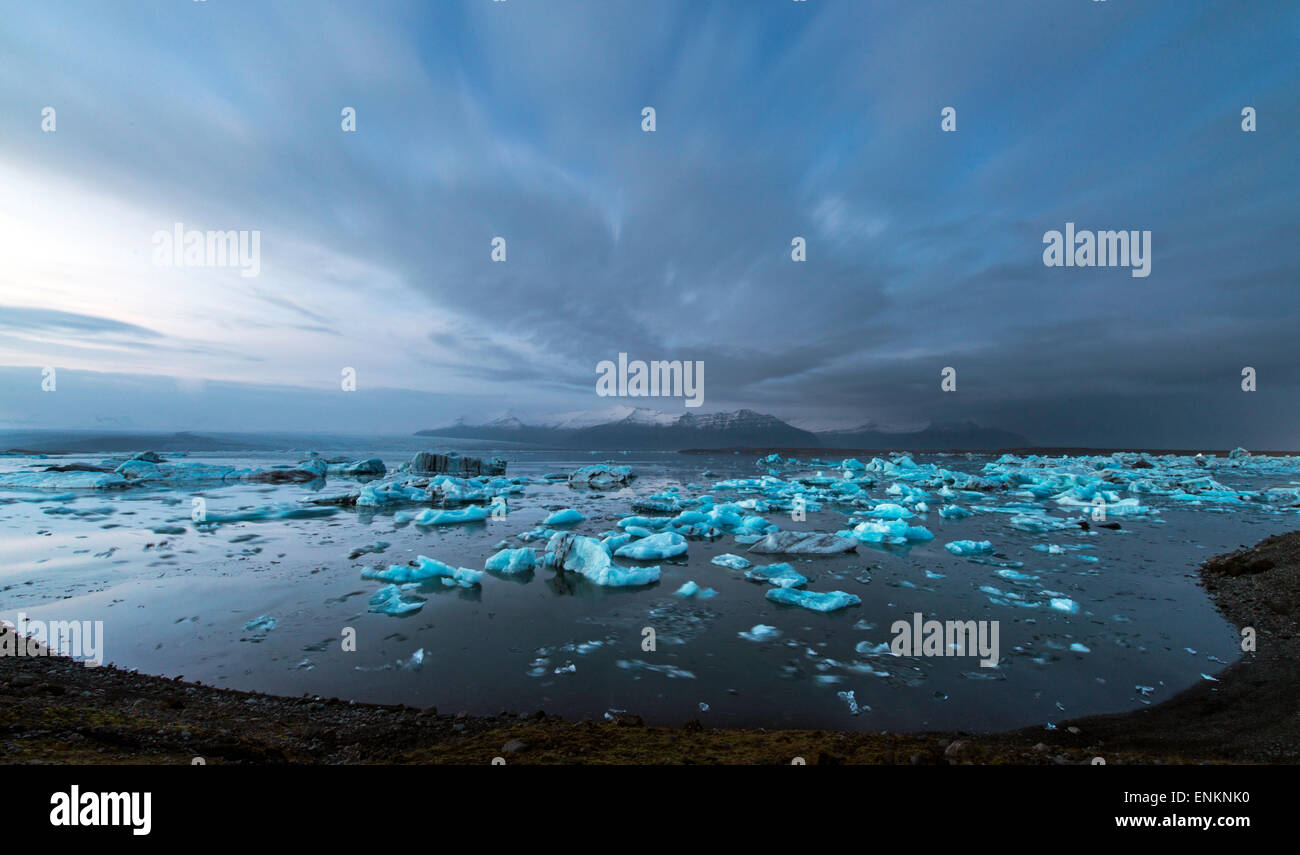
x=62 y=481
x=512 y=561
x=430 y=463
x=370 y=467
x=732 y=562
x=803 y=543
x=814 y=600
x=426 y=568
x=601 y=476
x=585 y=555
x=656 y=546
x=431 y=516
x=780 y=575
x=969 y=547
x=889 y=511
x=888 y=531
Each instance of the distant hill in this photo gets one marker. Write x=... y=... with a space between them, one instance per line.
x=649 y=430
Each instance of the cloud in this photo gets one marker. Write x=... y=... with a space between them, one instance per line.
x=819 y=120
x=44 y=321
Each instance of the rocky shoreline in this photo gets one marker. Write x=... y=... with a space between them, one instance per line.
x=55 y=710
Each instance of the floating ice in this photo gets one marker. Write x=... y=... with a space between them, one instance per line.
x=803 y=543
x=780 y=575
x=564 y=517
x=1064 y=604
x=732 y=562
x=61 y=481
x=760 y=632
x=431 y=516
x=654 y=547
x=261 y=625
x=669 y=671
x=430 y=463
x=390 y=600
x=817 y=601
x=585 y=555
x=376 y=547
x=538 y=533
x=1037 y=524
x=601 y=476
x=512 y=561
x=848 y=698
x=888 y=511
x=371 y=466
x=426 y=568
x=271 y=512
x=888 y=531
x=691 y=589
x=969 y=547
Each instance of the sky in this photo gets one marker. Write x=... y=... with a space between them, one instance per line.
x=774 y=119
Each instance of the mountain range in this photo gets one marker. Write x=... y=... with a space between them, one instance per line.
x=643 y=429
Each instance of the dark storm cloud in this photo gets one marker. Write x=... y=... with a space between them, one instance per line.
x=820 y=120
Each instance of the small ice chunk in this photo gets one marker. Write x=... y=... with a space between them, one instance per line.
x=564 y=517
x=732 y=562
x=969 y=547
x=691 y=589
x=760 y=632
x=261 y=625
x=780 y=575
x=389 y=600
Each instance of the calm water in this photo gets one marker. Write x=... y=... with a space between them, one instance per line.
x=176 y=604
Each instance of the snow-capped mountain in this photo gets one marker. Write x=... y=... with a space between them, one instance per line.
x=623 y=427
x=638 y=428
